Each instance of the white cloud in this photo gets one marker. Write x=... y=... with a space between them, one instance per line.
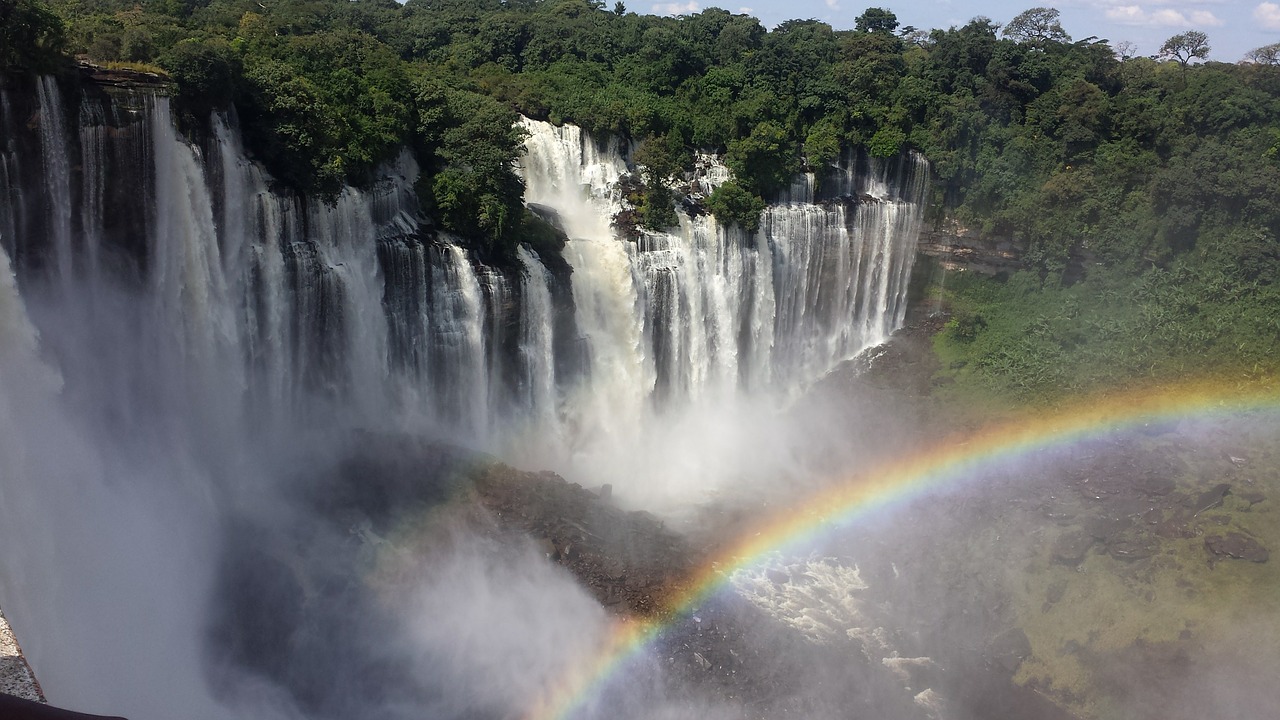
x=1268 y=15
x=676 y=8
x=1158 y=3
x=1166 y=17
x=746 y=10
x=833 y=4
x=1204 y=18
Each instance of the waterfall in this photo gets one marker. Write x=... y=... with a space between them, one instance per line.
x=681 y=329
x=537 y=347
x=54 y=143
x=267 y=308
x=708 y=308
x=173 y=323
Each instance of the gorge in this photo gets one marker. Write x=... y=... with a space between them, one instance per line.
x=183 y=340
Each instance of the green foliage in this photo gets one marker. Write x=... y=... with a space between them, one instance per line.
x=31 y=35
x=733 y=204
x=876 y=20
x=1040 y=340
x=476 y=191
x=822 y=146
x=1148 y=169
x=764 y=161
x=1038 y=26
x=1186 y=46
x=887 y=142
x=206 y=73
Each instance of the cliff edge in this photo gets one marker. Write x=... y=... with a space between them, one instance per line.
x=16 y=677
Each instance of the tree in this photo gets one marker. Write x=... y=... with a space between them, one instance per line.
x=876 y=20
x=1185 y=46
x=732 y=204
x=1265 y=55
x=31 y=35
x=1125 y=49
x=764 y=161
x=1037 y=26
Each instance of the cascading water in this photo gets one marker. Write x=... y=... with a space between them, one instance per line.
x=199 y=317
x=685 y=330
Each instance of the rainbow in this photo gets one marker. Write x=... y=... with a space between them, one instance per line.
x=881 y=488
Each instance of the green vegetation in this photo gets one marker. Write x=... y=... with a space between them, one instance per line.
x=31 y=35
x=1037 y=339
x=1144 y=191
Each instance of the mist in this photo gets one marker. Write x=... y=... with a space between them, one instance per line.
x=243 y=472
x=208 y=511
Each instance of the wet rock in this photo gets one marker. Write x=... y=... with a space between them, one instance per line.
x=548 y=549
x=1237 y=545
x=1056 y=591
x=1107 y=527
x=1154 y=485
x=1009 y=649
x=1071 y=548
x=1132 y=547
x=1253 y=498
x=702 y=661
x=1174 y=528
x=1211 y=498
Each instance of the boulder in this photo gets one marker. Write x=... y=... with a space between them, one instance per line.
x=1072 y=547
x=1236 y=545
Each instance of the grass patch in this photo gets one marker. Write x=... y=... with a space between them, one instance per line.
x=139 y=67
x=1037 y=341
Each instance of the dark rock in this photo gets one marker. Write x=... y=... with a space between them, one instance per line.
x=1154 y=485
x=1056 y=591
x=1009 y=649
x=1071 y=548
x=1106 y=528
x=1174 y=528
x=1212 y=498
x=1253 y=498
x=1237 y=545
x=1132 y=547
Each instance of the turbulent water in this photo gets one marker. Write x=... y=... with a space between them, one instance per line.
x=170 y=317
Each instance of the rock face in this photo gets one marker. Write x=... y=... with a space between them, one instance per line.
x=956 y=247
x=628 y=560
x=16 y=677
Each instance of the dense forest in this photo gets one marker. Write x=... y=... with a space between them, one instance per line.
x=1143 y=190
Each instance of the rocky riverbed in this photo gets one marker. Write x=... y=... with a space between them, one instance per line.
x=1125 y=577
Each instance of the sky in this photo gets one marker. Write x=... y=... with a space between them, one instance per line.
x=1234 y=27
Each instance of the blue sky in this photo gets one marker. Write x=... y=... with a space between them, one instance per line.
x=1234 y=26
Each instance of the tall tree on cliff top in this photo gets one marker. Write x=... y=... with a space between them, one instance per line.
x=1265 y=55
x=876 y=20
x=1185 y=46
x=1037 y=26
